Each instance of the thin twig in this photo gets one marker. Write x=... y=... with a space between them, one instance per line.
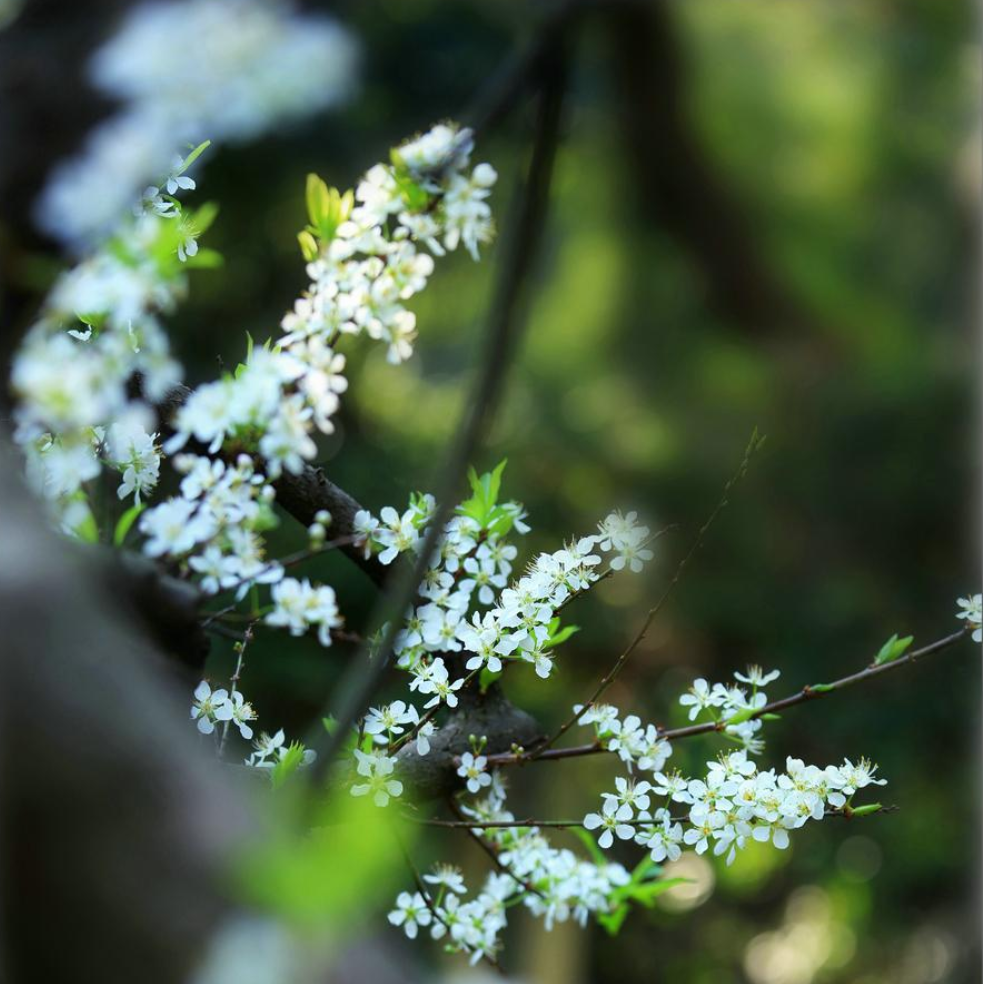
x=753 y=445
x=234 y=679
x=461 y=824
x=289 y=561
x=811 y=692
x=217 y=628
x=492 y=851
x=434 y=911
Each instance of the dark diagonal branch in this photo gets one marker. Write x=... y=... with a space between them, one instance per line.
x=517 y=260
x=491 y=849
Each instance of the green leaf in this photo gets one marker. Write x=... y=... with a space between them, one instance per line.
x=194 y=155
x=863 y=811
x=645 y=870
x=205 y=259
x=741 y=716
x=327 y=208
x=559 y=635
x=587 y=839
x=495 y=482
x=308 y=245
x=317 y=199
x=613 y=920
x=486 y=678
x=499 y=521
x=643 y=894
x=821 y=688
x=266 y=518
x=647 y=893
x=417 y=198
x=87 y=531
x=289 y=763
x=203 y=217
x=484 y=495
x=330 y=724
x=125 y=522
x=893 y=649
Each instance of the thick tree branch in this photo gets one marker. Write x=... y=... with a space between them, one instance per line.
x=490 y=716
x=167 y=607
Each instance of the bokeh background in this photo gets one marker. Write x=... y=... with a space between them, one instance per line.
x=781 y=233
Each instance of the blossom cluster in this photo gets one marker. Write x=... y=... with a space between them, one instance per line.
x=368 y=252
x=471 y=559
x=299 y=605
x=70 y=376
x=214 y=527
x=100 y=327
x=269 y=750
x=184 y=70
x=639 y=746
x=733 y=804
x=100 y=331
x=365 y=264
x=732 y=704
x=211 y=708
x=552 y=883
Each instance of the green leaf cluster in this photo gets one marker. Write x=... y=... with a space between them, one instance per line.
x=893 y=649
x=327 y=208
x=289 y=763
x=483 y=505
x=558 y=633
x=643 y=888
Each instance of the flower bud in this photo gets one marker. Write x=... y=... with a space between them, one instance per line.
x=484 y=175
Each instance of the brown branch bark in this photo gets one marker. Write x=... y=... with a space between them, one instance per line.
x=490 y=715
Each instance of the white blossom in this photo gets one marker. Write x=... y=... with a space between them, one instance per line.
x=611 y=820
x=972 y=612
x=411 y=912
x=378 y=769
x=210 y=706
x=472 y=768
